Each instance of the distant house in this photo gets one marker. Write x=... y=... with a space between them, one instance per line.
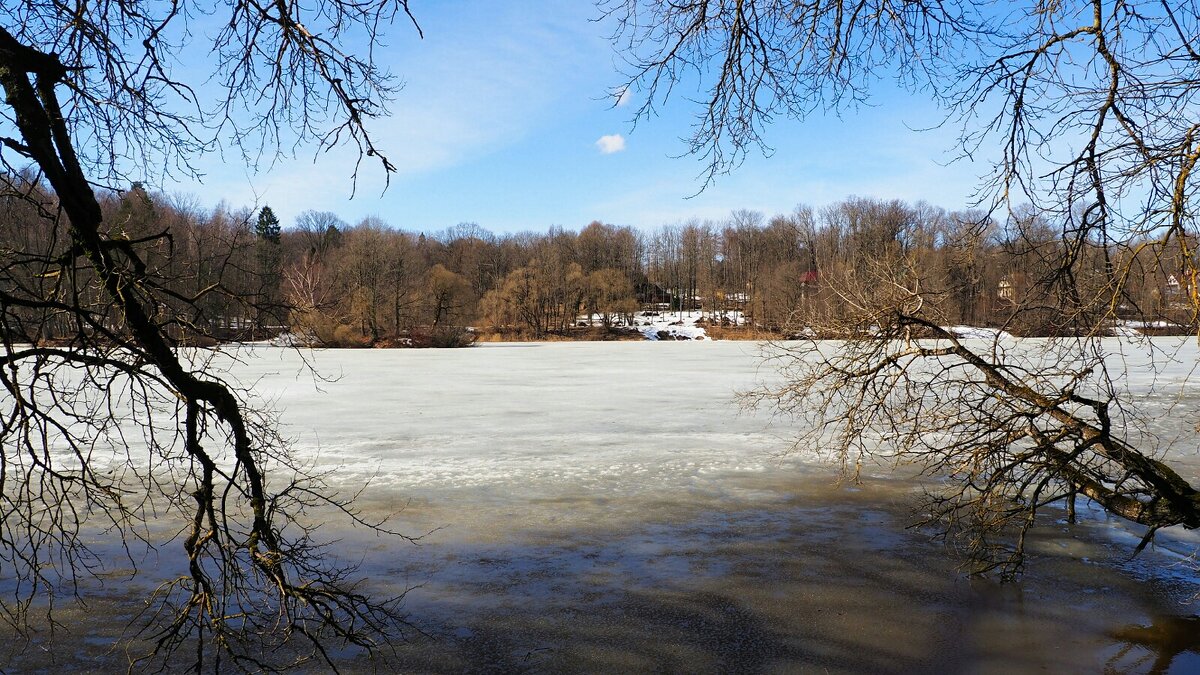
x=1174 y=288
x=1004 y=290
x=651 y=294
x=808 y=278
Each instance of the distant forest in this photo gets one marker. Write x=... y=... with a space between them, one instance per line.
x=241 y=274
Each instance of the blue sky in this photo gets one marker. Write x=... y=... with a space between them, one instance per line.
x=500 y=122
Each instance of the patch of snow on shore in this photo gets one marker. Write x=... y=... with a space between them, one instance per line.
x=1129 y=328
x=664 y=324
x=978 y=333
x=671 y=326
x=292 y=340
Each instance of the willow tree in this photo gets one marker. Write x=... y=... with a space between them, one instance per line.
x=106 y=424
x=1089 y=114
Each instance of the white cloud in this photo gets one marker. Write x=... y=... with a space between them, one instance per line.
x=483 y=79
x=623 y=97
x=611 y=143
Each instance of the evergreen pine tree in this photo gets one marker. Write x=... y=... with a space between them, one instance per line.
x=267 y=227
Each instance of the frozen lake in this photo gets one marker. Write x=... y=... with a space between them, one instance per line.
x=602 y=417
x=607 y=507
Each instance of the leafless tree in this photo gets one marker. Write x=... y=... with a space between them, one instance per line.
x=95 y=95
x=1088 y=110
x=760 y=59
x=318 y=231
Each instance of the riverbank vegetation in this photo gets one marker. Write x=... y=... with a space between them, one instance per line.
x=322 y=281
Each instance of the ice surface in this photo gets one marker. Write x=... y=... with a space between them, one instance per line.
x=534 y=413
x=619 y=482
x=627 y=415
x=612 y=418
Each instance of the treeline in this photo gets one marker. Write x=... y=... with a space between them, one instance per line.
x=241 y=274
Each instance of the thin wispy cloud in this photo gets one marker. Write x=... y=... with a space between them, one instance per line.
x=500 y=97
x=610 y=144
x=480 y=82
